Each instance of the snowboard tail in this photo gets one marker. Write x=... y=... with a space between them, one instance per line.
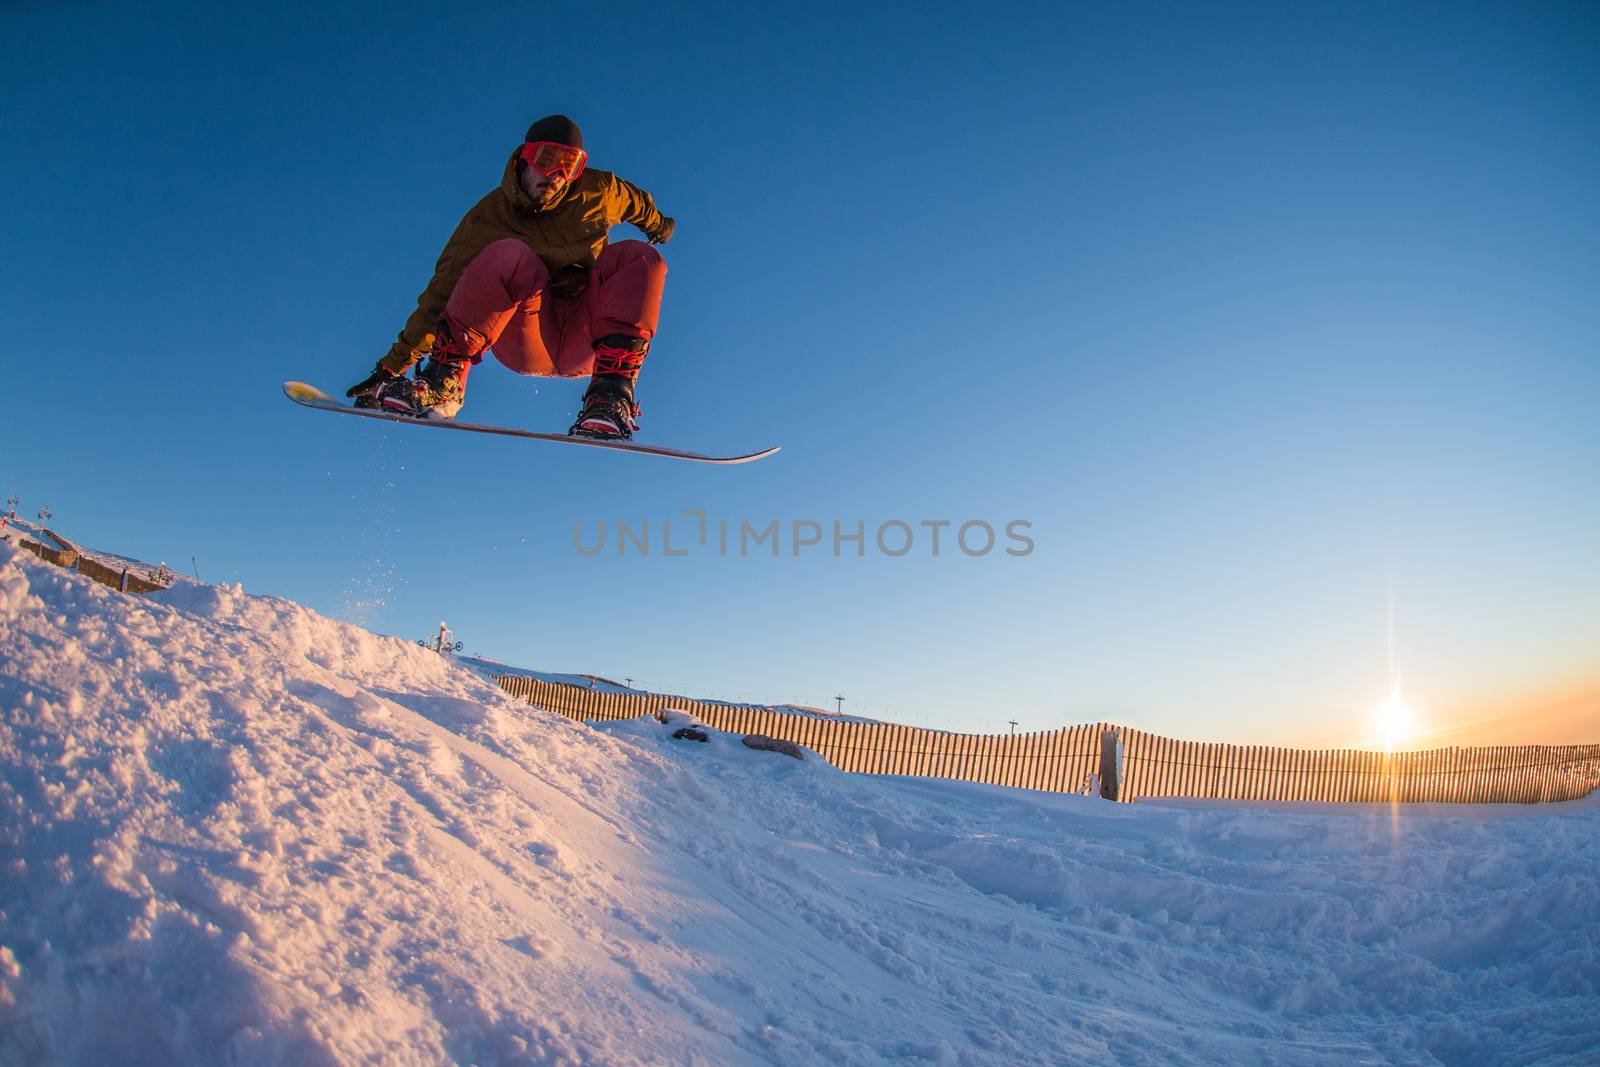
x=312 y=397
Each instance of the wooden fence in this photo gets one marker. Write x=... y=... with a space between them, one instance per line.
x=1161 y=767
x=123 y=579
x=1069 y=759
x=1059 y=760
x=61 y=557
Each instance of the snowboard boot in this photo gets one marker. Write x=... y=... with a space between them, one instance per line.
x=439 y=388
x=609 y=411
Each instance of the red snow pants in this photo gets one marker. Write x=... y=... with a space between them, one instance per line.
x=503 y=303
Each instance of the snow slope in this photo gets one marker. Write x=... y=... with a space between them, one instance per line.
x=233 y=831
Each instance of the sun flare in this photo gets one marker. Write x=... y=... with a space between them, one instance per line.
x=1394 y=721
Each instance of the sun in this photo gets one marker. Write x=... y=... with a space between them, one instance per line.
x=1394 y=721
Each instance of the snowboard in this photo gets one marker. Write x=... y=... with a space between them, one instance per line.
x=312 y=397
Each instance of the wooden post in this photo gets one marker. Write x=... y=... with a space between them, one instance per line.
x=1110 y=764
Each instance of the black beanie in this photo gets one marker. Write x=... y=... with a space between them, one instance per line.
x=558 y=129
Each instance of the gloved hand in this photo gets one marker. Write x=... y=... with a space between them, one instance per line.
x=663 y=233
x=368 y=387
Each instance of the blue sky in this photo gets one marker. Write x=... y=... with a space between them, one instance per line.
x=1265 y=317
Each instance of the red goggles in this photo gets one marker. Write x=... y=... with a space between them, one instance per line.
x=551 y=159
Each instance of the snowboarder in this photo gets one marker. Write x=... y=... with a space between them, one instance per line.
x=530 y=276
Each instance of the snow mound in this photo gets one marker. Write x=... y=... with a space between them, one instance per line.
x=234 y=831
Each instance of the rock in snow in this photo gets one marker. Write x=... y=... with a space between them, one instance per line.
x=234 y=831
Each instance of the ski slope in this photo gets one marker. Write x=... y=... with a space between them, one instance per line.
x=233 y=831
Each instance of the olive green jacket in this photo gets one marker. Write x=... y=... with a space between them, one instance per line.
x=568 y=234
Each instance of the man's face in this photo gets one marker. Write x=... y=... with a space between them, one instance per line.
x=542 y=188
x=548 y=168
